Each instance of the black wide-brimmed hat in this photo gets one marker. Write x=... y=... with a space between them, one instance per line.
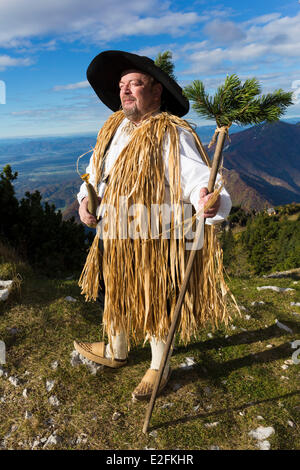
x=104 y=74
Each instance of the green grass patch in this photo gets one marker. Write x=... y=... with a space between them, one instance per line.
x=237 y=384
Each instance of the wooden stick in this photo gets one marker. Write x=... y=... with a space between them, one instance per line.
x=177 y=311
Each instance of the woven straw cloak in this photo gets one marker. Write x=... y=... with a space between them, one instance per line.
x=143 y=276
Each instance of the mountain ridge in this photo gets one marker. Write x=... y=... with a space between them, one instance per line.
x=261 y=166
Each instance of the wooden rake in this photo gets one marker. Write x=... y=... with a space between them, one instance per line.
x=212 y=179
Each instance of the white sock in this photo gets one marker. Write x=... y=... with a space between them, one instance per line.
x=157 y=350
x=118 y=348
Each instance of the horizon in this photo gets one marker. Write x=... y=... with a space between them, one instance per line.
x=94 y=133
x=46 y=47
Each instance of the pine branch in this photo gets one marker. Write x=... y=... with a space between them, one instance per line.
x=164 y=61
x=237 y=103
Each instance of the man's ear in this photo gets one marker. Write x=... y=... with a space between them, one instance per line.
x=157 y=90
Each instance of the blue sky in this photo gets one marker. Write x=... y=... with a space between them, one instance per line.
x=46 y=47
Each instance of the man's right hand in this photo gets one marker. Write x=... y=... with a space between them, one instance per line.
x=85 y=216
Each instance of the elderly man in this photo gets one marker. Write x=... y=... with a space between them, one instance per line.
x=146 y=155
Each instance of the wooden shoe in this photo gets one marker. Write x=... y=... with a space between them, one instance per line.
x=145 y=387
x=96 y=352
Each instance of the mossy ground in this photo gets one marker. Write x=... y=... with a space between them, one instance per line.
x=237 y=379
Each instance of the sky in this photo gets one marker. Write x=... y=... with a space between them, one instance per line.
x=46 y=47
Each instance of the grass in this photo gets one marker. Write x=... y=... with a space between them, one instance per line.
x=236 y=380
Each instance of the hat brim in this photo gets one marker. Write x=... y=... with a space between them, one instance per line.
x=104 y=73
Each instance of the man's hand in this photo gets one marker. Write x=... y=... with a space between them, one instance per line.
x=204 y=198
x=84 y=214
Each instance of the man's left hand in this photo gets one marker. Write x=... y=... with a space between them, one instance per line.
x=204 y=198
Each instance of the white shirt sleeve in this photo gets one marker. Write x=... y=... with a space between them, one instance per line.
x=82 y=190
x=195 y=175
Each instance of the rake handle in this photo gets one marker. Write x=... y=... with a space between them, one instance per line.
x=177 y=311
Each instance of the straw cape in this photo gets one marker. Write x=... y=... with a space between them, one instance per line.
x=143 y=276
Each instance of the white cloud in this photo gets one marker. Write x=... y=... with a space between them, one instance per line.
x=224 y=32
x=72 y=86
x=7 y=61
x=269 y=39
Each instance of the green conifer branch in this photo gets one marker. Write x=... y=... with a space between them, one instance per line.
x=238 y=103
x=164 y=61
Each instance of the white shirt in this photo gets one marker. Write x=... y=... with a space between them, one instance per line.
x=194 y=172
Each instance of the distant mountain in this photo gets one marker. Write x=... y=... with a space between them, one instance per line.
x=263 y=165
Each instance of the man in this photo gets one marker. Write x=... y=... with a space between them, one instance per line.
x=146 y=154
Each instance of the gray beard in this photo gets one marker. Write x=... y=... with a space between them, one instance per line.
x=132 y=114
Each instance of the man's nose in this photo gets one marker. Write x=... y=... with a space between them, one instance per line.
x=126 y=88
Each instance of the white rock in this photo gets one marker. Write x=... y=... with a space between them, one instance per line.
x=153 y=434
x=6 y=283
x=295 y=313
x=275 y=288
x=116 y=416
x=284 y=367
x=283 y=327
x=167 y=405
x=290 y=423
x=269 y=346
x=289 y=362
x=196 y=408
x=264 y=445
x=53 y=439
x=262 y=433
x=295 y=304
x=247 y=317
x=70 y=299
x=54 y=365
x=283 y=377
x=35 y=444
x=233 y=327
x=260 y=302
x=77 y=359
x=28 y=415
x=49 y=385
x=190 y=361
x=53 y=400
x=25 y=395
x=211 y=425
x=259 y=417
x=82 y=439
x=209 y=335
x=214 y=448
x=4 y=293
x=14 y=381
x=241 y=307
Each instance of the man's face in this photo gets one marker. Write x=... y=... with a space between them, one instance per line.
x=139 y=96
